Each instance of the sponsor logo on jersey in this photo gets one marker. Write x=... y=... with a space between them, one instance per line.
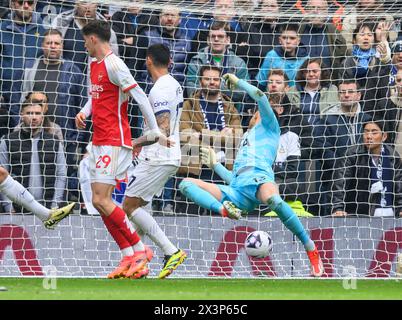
x=160 y=104
x=100 y=76
x=96 y=89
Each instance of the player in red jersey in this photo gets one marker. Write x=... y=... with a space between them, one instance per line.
x=110 y=152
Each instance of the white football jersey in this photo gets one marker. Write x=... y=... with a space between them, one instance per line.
x=289 y=145
x=165 y=96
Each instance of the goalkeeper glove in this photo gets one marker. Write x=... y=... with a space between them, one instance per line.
x=208 y=157
x=230 y=80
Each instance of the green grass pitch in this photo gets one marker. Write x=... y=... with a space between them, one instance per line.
x=197 y=289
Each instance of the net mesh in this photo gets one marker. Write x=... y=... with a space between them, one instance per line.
x=325 y=79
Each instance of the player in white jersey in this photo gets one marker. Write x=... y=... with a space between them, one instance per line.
x=157 y=163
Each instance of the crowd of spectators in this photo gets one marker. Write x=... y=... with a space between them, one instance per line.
x=332 y=70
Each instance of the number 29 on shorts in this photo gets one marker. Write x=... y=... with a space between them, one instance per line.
x=103 y=162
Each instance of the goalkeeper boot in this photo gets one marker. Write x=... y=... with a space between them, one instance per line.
x=58 y=214
x=138 y=261
x=171 y=263
x=231 y=211
x=123 y=266
x=143 y=273
x=317 y=267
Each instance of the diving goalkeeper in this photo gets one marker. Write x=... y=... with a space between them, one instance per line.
x=251 y=182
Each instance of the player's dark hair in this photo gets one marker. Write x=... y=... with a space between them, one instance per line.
x=98 y=28
x=160 y=54
x=208 y=67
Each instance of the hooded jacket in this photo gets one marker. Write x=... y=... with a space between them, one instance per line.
x=278 y=59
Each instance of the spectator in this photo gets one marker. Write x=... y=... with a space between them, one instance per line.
x=343 y=127
x=291 y=117
x=364 y=11
x=20 y=38
x=35 y=158
x=193 y=22
x=368 y=63
x=209 y=115
x=340 y=128
x=126 y=24
x=262 y=35
x=313 y=94
x=42 y=99
x=218 y=54
x=380 y=84
x=169 y=33
x=72 y=148
x=396 y=61
x=223 y=11
x=289 y=56
x=320 y=37
x=368 y=179
x=62 y=82
x=390 y=110
x=337 y=9
x=70 y=23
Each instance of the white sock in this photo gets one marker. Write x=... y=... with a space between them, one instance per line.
x=150 y=227
x=21 y=196
x=127 y=252
x=139 y=246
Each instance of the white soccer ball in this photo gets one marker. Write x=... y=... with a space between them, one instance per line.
x=258 y=244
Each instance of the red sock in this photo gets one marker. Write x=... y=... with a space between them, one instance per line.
x=224 y=212
x=123 y=224
x=116 y=234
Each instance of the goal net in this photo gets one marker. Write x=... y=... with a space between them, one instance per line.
x=332 y=71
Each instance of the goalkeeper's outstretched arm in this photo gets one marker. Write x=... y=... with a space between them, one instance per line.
x=208 y=158
x=268 y=118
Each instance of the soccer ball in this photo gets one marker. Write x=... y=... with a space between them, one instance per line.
x=258 y=244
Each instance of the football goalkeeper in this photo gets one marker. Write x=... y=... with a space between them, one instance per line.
x=251 y=182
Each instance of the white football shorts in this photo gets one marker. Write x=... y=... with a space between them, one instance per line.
x=108 y=163
x=146 y=181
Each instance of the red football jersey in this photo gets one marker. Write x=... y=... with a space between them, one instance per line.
x=110 y=81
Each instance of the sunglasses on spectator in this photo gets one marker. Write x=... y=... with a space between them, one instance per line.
x=21 y=2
